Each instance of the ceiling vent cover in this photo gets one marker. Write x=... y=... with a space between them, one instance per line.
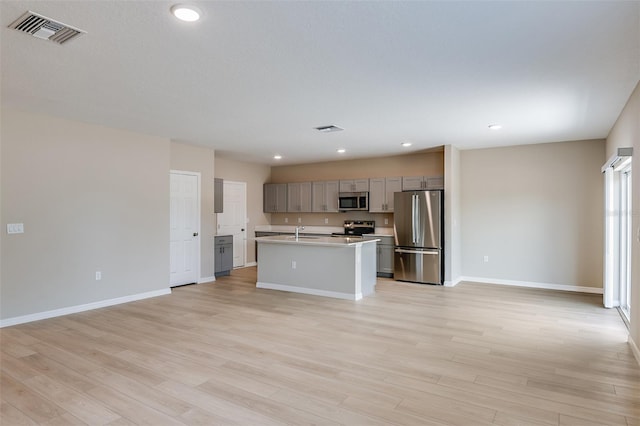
x=45 y=28
x=329 y=129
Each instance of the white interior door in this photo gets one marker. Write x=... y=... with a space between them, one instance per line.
x=233 y=220
x=184 y=219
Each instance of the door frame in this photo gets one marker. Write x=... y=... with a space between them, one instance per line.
x=244 y=219
x=198 y=254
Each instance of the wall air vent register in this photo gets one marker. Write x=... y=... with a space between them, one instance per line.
x=45 y=28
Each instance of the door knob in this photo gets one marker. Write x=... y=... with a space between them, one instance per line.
x=242 y=230
x=195 y=234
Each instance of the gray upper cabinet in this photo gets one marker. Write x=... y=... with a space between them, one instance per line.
x=381 y=192
x=354 y=185
x=325 y=196
x=275 y=197
x=416 y=183
x=299 y=197
x=218 y=195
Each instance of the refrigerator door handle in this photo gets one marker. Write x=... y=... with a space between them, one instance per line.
x=399 y=250
x=417 y=225
x=414 y=216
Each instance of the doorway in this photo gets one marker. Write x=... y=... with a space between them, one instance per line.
x=233 y=219
x=184 y=225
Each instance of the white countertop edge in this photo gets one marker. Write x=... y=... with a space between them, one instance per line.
x=314 y=241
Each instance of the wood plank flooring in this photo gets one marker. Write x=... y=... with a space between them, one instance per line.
x=227 y=353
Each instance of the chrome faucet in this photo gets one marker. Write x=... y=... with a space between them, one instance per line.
x=298 y=228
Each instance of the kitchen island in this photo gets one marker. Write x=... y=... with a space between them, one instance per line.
x=340 y=267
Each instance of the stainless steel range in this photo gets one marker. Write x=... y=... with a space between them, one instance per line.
x=357 y=228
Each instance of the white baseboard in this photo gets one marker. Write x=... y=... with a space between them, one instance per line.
x=81 y=308
x=453 y=283
x=247 y=265
x=312 y=291
x=206 y=280
x=533 y=284
x=634 y=349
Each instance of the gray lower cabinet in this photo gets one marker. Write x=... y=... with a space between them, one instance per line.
x=384 y=255
x=223 y=255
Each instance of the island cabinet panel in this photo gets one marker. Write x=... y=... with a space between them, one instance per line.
x=354 y=185
x=223 y=255
x=342 y=268
x=263 y=234
x=325 y=197
x=299 y=197
x=275 y=198
x=381 y=192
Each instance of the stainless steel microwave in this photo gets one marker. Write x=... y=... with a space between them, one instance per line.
x=353 y=201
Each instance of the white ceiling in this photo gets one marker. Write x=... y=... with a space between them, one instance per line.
x=252 y=79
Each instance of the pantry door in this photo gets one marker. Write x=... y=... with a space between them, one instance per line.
x=233 y=219
x=184 y=233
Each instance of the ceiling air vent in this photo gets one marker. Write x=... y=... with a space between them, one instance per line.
x=45 y=28
x=328 y=129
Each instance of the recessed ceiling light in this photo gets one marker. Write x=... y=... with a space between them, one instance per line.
x=328 y=129
x=495 y=127
x=341 y=151
x=406 y=144
x=185 y=12
x=277 y=157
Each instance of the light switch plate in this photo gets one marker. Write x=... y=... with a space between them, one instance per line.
x=15 y=228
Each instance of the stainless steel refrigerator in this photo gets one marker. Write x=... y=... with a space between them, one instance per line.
x=419 y=234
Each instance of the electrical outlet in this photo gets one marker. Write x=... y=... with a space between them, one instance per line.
x=326 y=220
x=299 y=220
x=386 y=220
x=486 y=259
x=98 y=275
x=286 y=220
x=293 y=264
x=15 y=228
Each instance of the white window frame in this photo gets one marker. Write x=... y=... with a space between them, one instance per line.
x=616 y=245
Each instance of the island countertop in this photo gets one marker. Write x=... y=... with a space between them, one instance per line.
x=315 y=241
x=381 y=231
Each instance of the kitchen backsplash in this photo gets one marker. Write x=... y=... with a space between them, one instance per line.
x=332 y=219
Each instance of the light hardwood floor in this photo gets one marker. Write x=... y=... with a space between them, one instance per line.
x=227 y=353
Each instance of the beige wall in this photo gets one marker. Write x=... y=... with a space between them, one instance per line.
x=91 y=198
x=425 y=163
x=536 y=211
x=255 y=175
x=192 y=158
x=626 y=133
